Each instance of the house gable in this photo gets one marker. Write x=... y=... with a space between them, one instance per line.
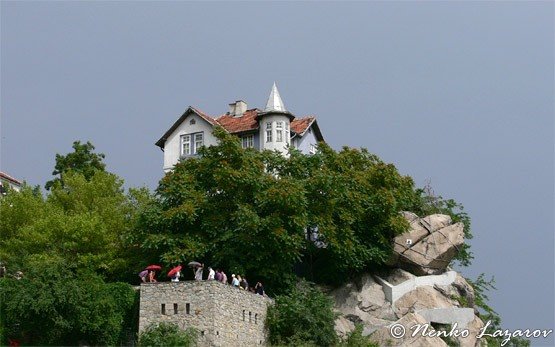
x=190 y=123
x=189 y=111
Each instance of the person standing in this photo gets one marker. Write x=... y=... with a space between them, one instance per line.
x=143 y=275
x=198 y=272
x=211 y=274
x=259 y=288
x=234 y=281
x=175 y=278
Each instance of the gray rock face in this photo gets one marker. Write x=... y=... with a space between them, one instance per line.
x=363 y=303
x=407 y=295
x=460 y=290
x=430 y=244
x=384 y=337
x=419 y=299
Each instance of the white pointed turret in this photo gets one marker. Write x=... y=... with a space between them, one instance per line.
x=274 y=104
x=275 y=124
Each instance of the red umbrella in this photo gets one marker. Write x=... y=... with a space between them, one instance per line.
x=174 y=271
x=153 y=267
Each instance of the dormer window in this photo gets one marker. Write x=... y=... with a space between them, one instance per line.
x=279 y=131
x=269 y=132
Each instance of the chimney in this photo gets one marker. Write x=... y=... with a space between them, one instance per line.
x=240 y=108
x=237 y=108
x=231 y=109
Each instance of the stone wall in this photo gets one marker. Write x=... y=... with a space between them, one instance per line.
x=224 y=315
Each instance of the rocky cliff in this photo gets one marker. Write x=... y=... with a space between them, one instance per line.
x=419 y=291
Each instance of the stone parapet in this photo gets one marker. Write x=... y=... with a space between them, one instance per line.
x=223 y=315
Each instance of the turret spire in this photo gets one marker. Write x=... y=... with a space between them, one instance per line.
x=274 y=101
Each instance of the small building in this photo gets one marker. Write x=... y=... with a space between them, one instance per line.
x=274 y=128
x=223 y=315
x=7 y=182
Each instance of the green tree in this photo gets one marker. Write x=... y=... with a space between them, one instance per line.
x=82 y=160
x=304 y=316
x=56 y=303
x=86 y=222
x=248 y=212
x=168 y=334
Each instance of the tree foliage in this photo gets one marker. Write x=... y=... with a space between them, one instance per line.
x=82 y=160
x=56 y=303
x=168 y=334
x=85 y=222
x=248 y=211
x=303 y=316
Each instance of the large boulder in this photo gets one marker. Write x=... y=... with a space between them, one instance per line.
x=429 y=245
x=419 y=299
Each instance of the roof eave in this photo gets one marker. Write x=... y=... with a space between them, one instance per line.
x=160 y=143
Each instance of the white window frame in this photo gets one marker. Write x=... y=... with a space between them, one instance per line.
x=186 y=140
x=269 y=131
x=199 y=141
x=279 y=132
x=191 y=143
x=247 y=141
x=287 y=133
x=312 y=149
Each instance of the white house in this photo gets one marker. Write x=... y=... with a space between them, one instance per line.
x=7 y=182
x=273 y=128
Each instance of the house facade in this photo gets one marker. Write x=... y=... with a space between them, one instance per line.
x=7 y=182
x=273 y=128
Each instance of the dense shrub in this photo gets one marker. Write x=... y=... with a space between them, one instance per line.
x=54 y=304
x=169 y=335
x=303 y=317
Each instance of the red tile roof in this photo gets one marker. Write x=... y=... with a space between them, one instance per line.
x=246 y=122
x=300 y=125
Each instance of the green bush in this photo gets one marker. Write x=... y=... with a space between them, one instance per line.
x=355 y=339
x=303 y=317
x=55 y=304
x=168 y=334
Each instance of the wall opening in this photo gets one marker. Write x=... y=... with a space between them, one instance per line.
x=163 y=309
x=256 y=318
x=250 y=316
x=188 y=308
x=175 y=308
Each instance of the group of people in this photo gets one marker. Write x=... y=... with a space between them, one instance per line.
x=149 y=276
x=236 y=280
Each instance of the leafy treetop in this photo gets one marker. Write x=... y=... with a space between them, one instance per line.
x=82 y=160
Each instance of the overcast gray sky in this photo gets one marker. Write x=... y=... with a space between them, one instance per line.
x=458 y=93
